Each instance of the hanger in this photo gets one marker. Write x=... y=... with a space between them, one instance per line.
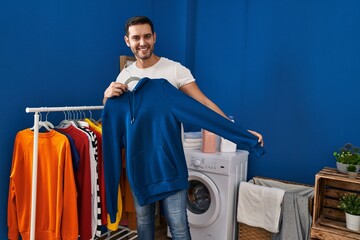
x=91 y=119
x=130 y=79
x=64 y=123
x=80 y=120
x=72 y=120
x=41 y=124
x=49 y=124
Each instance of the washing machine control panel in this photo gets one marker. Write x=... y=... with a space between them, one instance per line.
x=202 y=163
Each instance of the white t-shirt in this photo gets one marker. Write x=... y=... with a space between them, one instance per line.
x=174 y=72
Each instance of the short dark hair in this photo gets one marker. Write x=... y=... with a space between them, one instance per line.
x=138 y=20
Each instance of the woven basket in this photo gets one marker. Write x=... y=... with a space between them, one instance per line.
x=247 y=232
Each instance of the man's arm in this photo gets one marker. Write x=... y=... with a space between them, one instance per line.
x=191 y=89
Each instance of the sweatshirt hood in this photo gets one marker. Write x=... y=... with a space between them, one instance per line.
x=140 y=84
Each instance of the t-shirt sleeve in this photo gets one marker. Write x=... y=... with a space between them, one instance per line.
x=183 y=75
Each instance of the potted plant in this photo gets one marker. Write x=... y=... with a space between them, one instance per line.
x=350 y=203
x=352 y=171
x=347 y=155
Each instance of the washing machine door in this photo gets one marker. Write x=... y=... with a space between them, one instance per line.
x=203 y=204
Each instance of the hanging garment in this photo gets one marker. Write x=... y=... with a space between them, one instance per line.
x=95 y=200
x=96 y=223
x=74 y=153
x=124 y=195
x=147 y=123
x=260 y=206
x=98 y=132
x=56 y=214
x=124 y=192
x=296 y=219
x=83 y=180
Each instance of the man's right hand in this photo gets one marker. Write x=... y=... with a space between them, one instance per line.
x=115 y=89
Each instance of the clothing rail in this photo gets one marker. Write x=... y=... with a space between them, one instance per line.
x=35 y=153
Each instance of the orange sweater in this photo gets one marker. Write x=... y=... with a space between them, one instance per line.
x=56 y=211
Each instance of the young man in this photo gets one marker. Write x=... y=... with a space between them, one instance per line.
x=141 y=37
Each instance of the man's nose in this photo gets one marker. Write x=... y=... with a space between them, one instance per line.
x=142 y=41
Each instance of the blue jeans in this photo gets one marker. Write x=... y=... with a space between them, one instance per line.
x=174 y=208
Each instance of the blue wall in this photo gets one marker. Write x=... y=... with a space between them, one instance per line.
x=288 y=69
x=65 y=53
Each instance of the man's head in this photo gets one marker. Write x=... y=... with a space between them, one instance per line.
x=140 y=36
x=136 y=21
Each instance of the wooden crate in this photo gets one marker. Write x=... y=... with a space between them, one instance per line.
x=328 y=220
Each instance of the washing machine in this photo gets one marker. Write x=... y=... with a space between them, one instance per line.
x=214 y=179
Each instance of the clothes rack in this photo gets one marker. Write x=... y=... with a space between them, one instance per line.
x=36 y=112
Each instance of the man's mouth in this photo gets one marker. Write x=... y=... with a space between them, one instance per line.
x=143 y=48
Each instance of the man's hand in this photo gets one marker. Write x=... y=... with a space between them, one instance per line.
x=259 y=136
x=115 y=89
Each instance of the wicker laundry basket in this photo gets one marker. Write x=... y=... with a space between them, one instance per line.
x=246 y=232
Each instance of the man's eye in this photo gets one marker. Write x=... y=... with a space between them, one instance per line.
x=148 y=36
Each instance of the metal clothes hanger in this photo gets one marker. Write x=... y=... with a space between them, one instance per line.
x=92 y=119
x=73 y=120
x=80 y=119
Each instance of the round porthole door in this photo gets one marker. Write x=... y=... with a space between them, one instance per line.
x=203 y=203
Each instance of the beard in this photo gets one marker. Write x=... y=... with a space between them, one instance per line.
x=141 y=55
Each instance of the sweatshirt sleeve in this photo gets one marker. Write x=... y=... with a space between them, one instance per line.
x=112 y=158
x=13 y=230
x=12 y=220
x=188 y=110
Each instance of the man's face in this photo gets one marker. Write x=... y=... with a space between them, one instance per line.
x=141 y=41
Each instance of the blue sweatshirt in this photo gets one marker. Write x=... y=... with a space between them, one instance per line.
x=147 y=123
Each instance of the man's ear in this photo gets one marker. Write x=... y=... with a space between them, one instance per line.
x=127 y=41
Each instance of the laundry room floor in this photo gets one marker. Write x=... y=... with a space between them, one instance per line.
x=161 y=230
